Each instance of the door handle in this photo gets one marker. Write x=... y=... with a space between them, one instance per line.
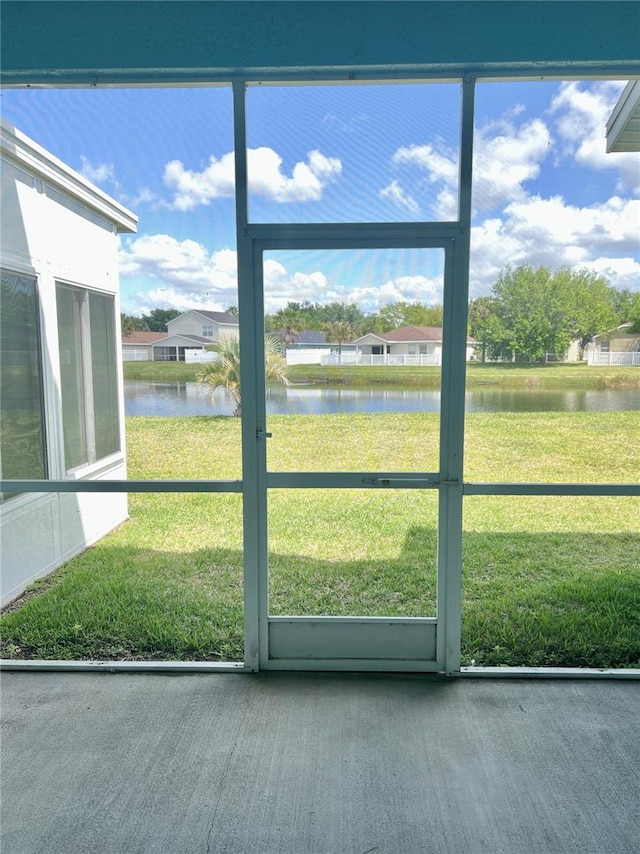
x=416 y=482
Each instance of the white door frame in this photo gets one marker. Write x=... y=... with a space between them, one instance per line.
x=267 y=637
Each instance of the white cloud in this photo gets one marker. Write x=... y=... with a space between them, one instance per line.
x=439 y=166
x=353 y=123
x=143 y=196
x=400 y=289
x=158 y=270
x=624 y=272
x=551 y=232
x=281 y=287
x=105 y=174
x=612 y=225
x=506 y=156
x=581 y=113
x=266 y=178
x=101 y=173
x=400 y=199
x=199 y=188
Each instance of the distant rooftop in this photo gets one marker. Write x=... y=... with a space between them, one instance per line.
x=143 y=337
x=413 y=333
x=218 y=316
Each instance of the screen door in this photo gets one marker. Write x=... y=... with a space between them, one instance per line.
x=348 y=534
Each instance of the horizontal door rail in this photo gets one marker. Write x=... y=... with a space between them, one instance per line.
x=551 y=489
x=378 y=235
x=322 y=480
x=120 y=486
x=352 y=480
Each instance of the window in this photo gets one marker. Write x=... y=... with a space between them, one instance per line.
x=604 y=346
x=22 y=437
x=207 y=331
x=86 y=330
x=164 y=354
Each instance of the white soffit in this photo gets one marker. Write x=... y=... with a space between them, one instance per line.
x=623 y=127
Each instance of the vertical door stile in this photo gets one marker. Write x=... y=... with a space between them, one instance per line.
x=456 y=297
x=247 y=323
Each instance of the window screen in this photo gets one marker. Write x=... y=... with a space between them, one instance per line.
x=86 y=331
x=22 y=437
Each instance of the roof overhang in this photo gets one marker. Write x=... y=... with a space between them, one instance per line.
x=623 y=127
x=36 y=160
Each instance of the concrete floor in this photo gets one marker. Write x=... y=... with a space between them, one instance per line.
x=301 y=763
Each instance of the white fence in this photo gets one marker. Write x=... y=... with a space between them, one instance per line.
x=135 y=356
x=197 y=356
x=387 y=359
x=307 y=357
x=614 y=358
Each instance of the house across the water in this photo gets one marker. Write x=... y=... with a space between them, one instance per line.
x=138 y=346
x=408 y=345
x=619 y=346
x=192 y=331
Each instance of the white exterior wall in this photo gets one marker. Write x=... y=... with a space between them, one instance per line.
x=621 y=343
x=57 y=227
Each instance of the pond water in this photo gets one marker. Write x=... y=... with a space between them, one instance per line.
x=177 y=399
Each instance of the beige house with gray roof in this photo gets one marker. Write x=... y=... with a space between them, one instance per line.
x=193 y=330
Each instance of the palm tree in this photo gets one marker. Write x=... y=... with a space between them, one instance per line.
x=339 y=331
x=130 y=324
x=287 y=321
x=224 y=370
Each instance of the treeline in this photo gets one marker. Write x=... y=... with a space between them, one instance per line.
x=533 y=311
x=155 y=321
x=297 y=317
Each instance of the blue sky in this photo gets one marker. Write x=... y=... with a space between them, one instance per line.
x=545 y=191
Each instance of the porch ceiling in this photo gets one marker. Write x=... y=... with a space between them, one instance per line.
x=97 y=43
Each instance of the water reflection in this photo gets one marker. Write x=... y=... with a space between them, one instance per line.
x=179 y=399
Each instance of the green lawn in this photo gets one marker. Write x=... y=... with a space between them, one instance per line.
x=546 y=580
x=552 y=376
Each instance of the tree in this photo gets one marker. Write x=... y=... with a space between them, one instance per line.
x=224 y=370
x=232 y=309
x=333 y=312
x=339 y=331
x=287 y=323
x=486 y=327
x=588 y=302
x=532 y=313
x=634 y=315
x=396 y=314
x=130 y=323
x=623 y=303
x=158 y=318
